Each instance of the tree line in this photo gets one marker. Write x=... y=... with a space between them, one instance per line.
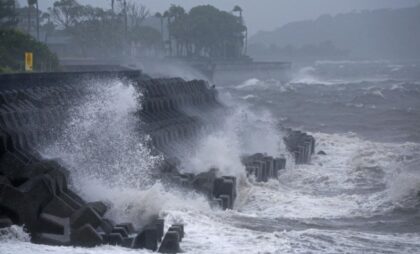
x=119 y=30
x=14 y=43
x=204 y=31
x=99 y=31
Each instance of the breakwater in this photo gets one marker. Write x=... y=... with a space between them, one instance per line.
x=34 y=191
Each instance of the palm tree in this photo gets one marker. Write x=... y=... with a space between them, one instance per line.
x=237 y=8
x=176 y=12
x=125 y=21
x=30 y=5
x=37 y=20
x=167 y=15
x=160 y=16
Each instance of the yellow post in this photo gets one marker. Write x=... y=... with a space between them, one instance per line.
x=28 y=61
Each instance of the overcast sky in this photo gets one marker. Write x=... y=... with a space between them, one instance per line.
x=266 y=14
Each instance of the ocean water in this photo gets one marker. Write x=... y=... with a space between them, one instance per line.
x=361 y=197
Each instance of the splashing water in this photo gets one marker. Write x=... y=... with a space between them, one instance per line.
x=104 y=149
x=101 y=139
x=13 y=234
x=242 y=132
x=359 y=198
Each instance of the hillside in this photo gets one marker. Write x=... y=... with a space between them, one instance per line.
x=384 y=34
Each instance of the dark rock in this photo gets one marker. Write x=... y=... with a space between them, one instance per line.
x=170 y=243
x=322 y=153
x=147 y=239
x=86 y=236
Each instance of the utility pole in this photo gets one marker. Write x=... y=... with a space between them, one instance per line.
x=30 y=5
x=29 y=18
x=246 y=40
x=125 y=24
x=37 y=20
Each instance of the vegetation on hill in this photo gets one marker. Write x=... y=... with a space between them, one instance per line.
x=75 y=30
x=376 y=34
x=14 y=44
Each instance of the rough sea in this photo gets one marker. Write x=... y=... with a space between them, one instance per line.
x=363 y=196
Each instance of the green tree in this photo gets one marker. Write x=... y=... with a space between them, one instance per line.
x=48 y=25
x=178 y=27
x=207 y=31
x=148 y=38
x=8 y=14
x=160 y=17
x=14 y=44
x=136 y=13
x=237 y=8
x=65 y=13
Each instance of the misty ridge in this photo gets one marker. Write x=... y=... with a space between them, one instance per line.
x=378 y=34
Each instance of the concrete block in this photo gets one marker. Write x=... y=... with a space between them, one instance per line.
x=86 y=236
x=170 y=243
x=99 y=207
x=180 y=229
x=127 y=242
x=85 y=215
x=114 y=239
x=160 y=226
x=120 y=230
x=58 y=207
x=59 y=236
x=106 y=226
x=129 y=228
x=70 y=201
x=226 y=201
x=147 y=239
